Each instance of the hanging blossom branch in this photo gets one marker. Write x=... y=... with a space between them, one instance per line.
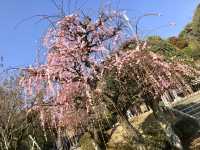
x=152 y=73
x=70 y=73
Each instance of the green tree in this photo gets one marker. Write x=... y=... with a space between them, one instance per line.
x=163 y=47
x=192 y=34
x=186 y=32
x=180 y=43
x=196 y=24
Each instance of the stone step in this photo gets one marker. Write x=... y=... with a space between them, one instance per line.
x=189 y=105
x=193 y=111
x=183 y=106
x=197 y=115
x=191 y=108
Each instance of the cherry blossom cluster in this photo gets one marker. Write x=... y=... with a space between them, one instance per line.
x=69 y=73
x=151 y=72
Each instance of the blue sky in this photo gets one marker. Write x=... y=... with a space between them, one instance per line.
x=18 y=45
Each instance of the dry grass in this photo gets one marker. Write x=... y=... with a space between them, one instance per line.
x=147 y=125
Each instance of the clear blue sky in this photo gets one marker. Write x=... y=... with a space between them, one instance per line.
x=18 y=45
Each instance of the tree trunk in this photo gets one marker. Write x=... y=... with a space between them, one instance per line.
x=136 y=138
x=131 y=131
x=59 y=144
x=96 y=140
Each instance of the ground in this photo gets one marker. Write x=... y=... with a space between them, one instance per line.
x=147 y=125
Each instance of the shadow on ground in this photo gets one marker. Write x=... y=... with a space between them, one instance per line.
x=187 y=128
